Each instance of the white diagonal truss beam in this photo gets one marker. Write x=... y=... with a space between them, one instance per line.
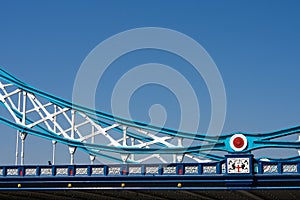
x=109 y=137
x=36 y=112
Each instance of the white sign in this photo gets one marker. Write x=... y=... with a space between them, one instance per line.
x=238 y=165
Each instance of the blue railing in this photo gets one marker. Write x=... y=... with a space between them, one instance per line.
x=184 y=169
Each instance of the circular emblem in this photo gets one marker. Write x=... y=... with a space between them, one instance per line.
x=238 y=142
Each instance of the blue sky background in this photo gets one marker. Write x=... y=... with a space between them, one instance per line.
x=255 y=44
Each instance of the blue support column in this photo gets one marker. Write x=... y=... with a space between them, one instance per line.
x=89 y=170
x=143 y=170
x=279 y=166
x=260 y=167
x=160 y=169
x=38 y=171
x=105 y=168
x=180 y=170
x=200 y=169
x=21 y=171
x=219 y=168
x=71 y=170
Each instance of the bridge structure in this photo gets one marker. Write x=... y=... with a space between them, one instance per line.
x=135 y=155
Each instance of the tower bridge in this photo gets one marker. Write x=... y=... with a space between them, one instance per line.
x=135 y=155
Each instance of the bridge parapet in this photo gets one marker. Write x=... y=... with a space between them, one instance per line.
x=233 y=165
x=258 y=174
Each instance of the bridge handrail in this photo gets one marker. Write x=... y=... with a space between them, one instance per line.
x=172 y=169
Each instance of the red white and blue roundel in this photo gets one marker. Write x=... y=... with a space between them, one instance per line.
x=238 y=142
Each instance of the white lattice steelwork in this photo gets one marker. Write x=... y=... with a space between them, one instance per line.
x=114 y=170
x=61 y=171
x=191 y=169
x=30 y=171
x=135 y=170
x=289 y=168
x=169 y=170
x=98 y=171
x=270 y=169
x=46 y=171
x=81 y=171
x=80 y=129
x=209 y=169
x=12 y=172
x=151 y=170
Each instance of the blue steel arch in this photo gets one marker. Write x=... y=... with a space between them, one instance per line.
x=212 y=143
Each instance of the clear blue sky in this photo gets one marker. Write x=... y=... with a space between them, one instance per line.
x=255 y=45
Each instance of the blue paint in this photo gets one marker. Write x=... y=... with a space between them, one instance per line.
x=255 y=141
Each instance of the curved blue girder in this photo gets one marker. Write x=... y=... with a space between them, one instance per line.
x=212 y=143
